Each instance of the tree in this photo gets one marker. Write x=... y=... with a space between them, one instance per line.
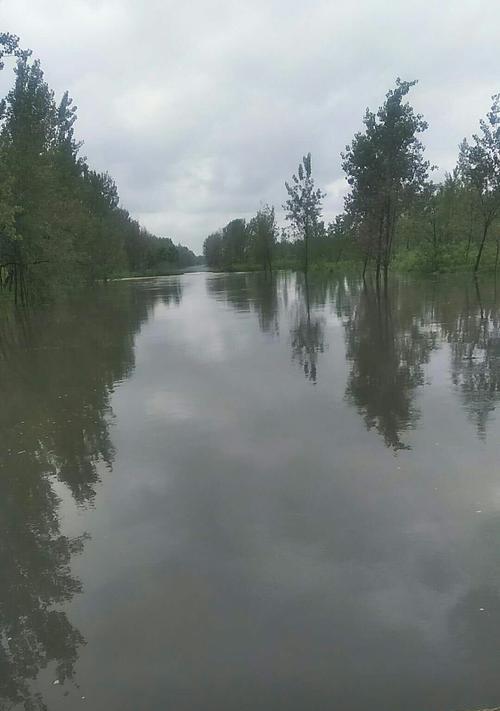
x=385 y=168
x=229 y=246
x=9 y=47
x=212 y=250
x=28 y=135
x=262 y=229
x=235 y=242
x=479 y=164
x=185 y=257
x=60 y=221
x=303 y=207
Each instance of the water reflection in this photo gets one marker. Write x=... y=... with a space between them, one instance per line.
x=257 y=292
x=474 y=335
x=250 y=511
x=389 y=338
x=58 y=367
x=474 y=620
x=387 y=349
x=36 y=577
x=307 y=333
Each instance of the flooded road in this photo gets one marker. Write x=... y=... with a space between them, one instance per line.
x=220 y=491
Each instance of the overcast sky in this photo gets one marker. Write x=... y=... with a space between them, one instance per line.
x=201 y=109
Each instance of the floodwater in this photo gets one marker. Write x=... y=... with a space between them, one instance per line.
x=231 y=493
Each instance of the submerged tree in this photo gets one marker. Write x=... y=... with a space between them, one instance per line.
x=262 y=232
x=385 y=167
x=479 y=164
x=303 y=207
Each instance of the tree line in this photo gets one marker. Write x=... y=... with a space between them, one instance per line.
x=61 y=222
x=394 y=213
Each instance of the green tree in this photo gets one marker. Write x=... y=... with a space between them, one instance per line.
x=9 y=47
x=60 y=221
x=303 y=206
x=213 y=250
x=235 y=242
x=262 y=229
x=385 y=168
x=479 y=164
x=28 y=135
x=185 y=257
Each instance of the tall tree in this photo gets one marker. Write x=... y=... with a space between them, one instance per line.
x=262 y=229
x=303 y=207
x=479 y=164
x=27 y=139
x=385 y=168
x=213 y=250
x=60 y=221
x=235 y=242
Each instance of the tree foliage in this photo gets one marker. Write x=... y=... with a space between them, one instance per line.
x=61 y=221
x=479 y=164
x=262 y=235
x=385 y=169
x=303 y=206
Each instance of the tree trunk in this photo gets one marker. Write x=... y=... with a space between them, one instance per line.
x=481 y=246
x=388 y=237
x=379 y=246
x=479 y=300
x=365 y=265
x=308 y=306
x=469 y=241
x=434 y=243
x=339 y=254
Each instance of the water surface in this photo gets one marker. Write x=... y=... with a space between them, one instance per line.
x=230 y=492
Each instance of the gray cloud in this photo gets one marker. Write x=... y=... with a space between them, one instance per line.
x=200 y=110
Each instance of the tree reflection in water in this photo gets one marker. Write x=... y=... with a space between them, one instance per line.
x=307 y=333
x=475 y=361
x=389 y=335
x=246 y=292
x=58 y=367
x=387 y=349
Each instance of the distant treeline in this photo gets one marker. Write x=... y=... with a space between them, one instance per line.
x=394 y=214
x=60 y=221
